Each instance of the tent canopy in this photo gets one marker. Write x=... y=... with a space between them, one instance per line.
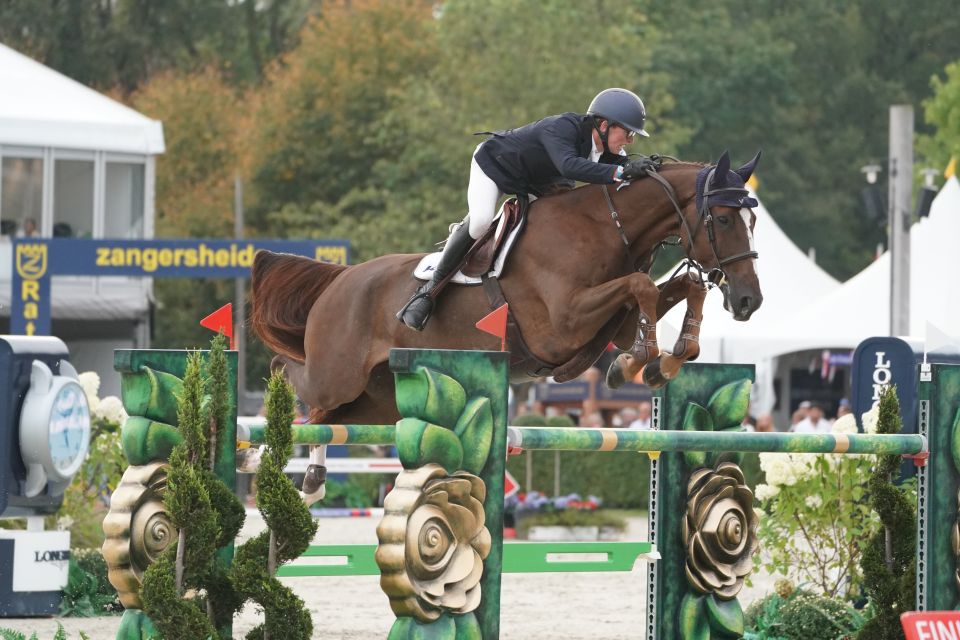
x=789 y=281
x=860 y=308
x=43 y=108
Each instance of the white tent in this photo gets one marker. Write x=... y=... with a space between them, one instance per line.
x=789 y=280
x=43 y=108
x=860 y=308
x=804 y=309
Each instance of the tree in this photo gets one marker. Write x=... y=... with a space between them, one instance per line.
x=942 y=111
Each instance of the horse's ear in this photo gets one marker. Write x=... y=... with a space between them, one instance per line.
x=747 y=170
x=723 y=167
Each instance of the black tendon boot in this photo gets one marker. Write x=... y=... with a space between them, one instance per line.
x=417 y=311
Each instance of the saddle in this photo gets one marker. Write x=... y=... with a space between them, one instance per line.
x=488 y=254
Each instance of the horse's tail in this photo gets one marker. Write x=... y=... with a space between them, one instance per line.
x=283 y=290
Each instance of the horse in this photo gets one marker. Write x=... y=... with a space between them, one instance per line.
x=575 y=280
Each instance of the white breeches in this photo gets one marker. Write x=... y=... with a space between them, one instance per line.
x=482 y=198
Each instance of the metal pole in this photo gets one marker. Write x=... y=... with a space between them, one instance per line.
x=239 y=306
x=899 y=216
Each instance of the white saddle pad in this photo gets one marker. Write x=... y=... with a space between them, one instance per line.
x=425 y=267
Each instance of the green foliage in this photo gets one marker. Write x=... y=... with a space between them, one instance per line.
x=889 y=558
x=350 y=494
x=942 y=110
x=815 y=520
x=202 y=507
x=814 y=617
x=88 y=591
x=61 y=634
x=571 y=518
x=619 y=477
x=290 y=527
x=800 y=615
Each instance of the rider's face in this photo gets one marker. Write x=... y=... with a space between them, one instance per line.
x=618 y=138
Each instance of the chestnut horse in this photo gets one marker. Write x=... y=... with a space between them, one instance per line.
x=572 y=275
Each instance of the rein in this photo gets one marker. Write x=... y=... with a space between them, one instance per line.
x=715 y=276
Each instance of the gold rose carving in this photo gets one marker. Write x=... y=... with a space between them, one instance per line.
x=137 y=529
x=433 y=542
x=719 y=531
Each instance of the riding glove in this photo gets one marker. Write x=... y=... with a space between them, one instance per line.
x=638 y=167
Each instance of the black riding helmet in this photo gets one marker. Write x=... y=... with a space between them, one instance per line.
x=621 y=107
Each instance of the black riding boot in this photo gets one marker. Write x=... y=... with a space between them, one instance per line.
x=416 y=312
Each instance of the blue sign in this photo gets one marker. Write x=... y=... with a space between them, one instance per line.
x=879 y=362
x=36 y=259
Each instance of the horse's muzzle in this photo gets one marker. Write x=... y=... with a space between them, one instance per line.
x=740 y=306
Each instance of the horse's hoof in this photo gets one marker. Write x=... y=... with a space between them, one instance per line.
x=314 y=486
x=248 y=459
x=653 y=375
x=615 y=378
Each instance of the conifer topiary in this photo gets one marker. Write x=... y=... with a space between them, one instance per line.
x=290 y=528
x=889 y=559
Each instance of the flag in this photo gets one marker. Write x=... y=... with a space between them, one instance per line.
x=221 y=320
x=495 y=323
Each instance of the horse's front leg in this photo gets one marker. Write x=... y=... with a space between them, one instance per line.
x=591 y=308
x=687 y=347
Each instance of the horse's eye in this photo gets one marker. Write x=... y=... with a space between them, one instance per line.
x=723 y=219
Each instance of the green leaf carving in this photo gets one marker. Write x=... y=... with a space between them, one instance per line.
x=468 y=628
x=475 y=430
x=446 y=627
x=420 y=443
x=693 y=623
x=145 y=440
x=431 y=396
x=725 y=617
x=729 y=404
x=696 y=419
x=152 y=394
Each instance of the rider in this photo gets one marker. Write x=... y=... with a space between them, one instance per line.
x=534 y=160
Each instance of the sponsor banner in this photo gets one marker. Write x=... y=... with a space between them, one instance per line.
x=41 y=559
x=35 y=260
x=879 y=362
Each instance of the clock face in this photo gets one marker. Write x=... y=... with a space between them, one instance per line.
x=69 y=429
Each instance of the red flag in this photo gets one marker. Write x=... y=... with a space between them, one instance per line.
x=495 y=323
x=221 y=320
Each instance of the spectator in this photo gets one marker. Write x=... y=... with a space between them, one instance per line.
x=765 y=424
x=644 y=410
x=625 y=418
x=29 y=229
x=592 y=421
x=814 y=422
x=844 y=407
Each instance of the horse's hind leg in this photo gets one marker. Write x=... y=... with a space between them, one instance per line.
x=687 y=347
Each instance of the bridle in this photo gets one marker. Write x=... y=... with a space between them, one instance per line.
x=715 y=276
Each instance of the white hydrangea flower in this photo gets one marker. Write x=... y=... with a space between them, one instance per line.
x=870 y=419
x=814 y=502
x=64 y=523
x=90 y=382
x=111 y=409
x=786 y=469
x=844 y=424
x=766 y=491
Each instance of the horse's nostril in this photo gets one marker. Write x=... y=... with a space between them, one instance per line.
x=746 y=303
